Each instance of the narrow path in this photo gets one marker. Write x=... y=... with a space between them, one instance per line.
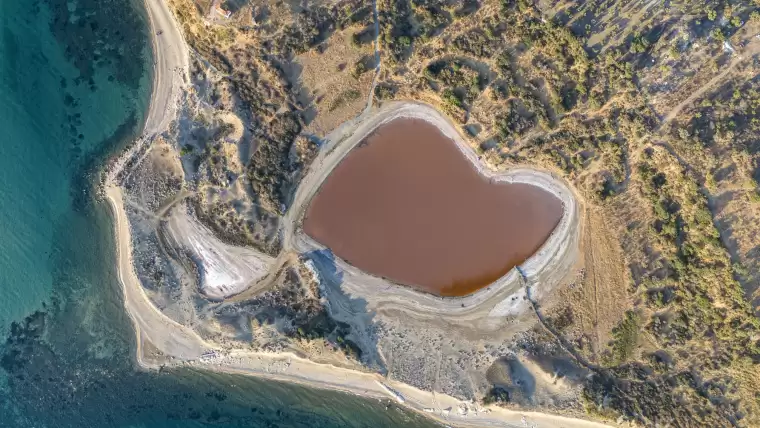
x=145 y=211
x=570 y=349
x=595 y=287
x=564 y=344
x=752 y=49
x=160 y=214
x=164 y=209
x=371 y=96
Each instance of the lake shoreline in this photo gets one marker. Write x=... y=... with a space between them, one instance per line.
x=504 y=297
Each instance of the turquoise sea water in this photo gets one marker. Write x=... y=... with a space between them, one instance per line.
x=74 y=86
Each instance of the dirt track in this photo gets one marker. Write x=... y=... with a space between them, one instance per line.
x=749 y=52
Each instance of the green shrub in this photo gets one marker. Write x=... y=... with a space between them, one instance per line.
x=452 y=98
x=625 y=337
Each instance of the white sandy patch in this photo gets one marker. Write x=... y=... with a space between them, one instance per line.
x=226 y=270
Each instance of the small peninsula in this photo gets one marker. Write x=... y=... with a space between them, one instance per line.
x=470 y=208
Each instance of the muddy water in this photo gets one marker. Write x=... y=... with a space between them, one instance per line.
x=408 y=206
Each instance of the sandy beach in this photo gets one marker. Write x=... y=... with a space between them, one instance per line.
x=180 y=345
x=177 y=344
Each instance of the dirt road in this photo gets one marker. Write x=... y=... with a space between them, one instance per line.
x=752 y=48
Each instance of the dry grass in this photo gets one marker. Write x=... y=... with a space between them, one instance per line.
x=327 y=80
x=604 y=292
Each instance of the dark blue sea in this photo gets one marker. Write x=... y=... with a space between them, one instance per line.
x=75 y=81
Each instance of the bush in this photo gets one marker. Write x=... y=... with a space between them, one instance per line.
x=363 y=65
x=345 y=97
x=497 y=395
x=625 y=336
x=452 y=99
x=384 y=92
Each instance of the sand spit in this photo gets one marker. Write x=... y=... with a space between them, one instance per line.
x=170 y=77
x=150 y=324
x=544 y=270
